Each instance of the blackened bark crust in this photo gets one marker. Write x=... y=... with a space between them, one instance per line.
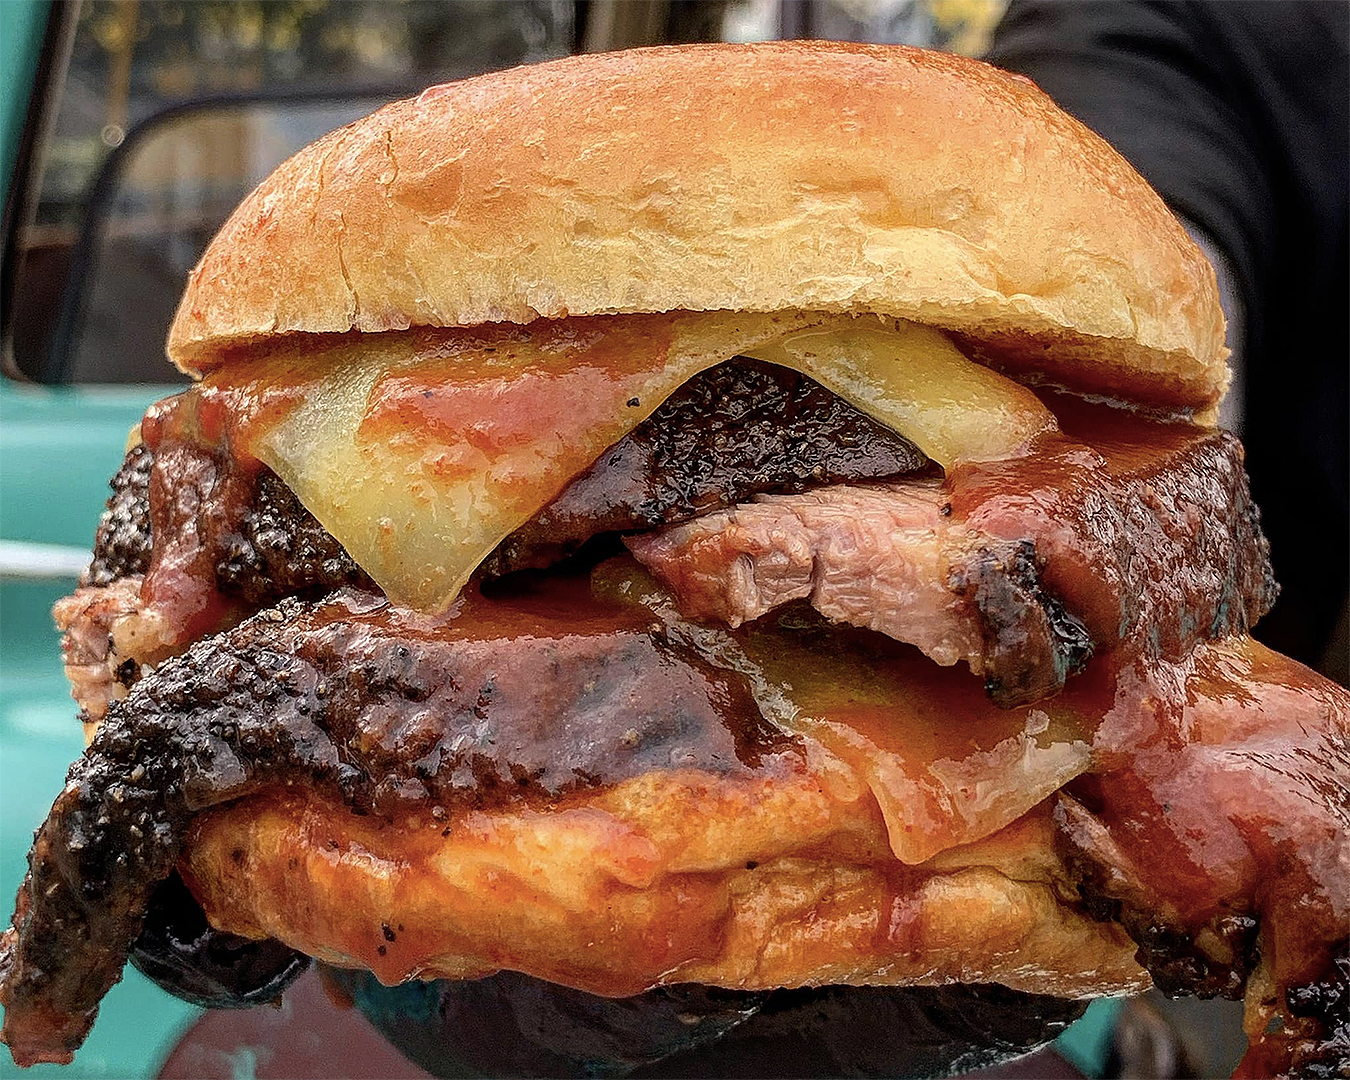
x=272 y=547
x=279 y=549
x=1210 y=961
x=1032 y=644
x=123 y=541
x=1214 y=959
x=369 y=705
x=1327 y=1003
x=740 y=429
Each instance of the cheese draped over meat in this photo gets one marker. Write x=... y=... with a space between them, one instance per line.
x=421 y=451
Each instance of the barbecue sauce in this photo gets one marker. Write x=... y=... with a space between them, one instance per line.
x=1217 y=776
x=1144 y=530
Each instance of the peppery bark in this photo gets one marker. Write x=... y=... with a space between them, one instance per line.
x=740 y=429
x=270 y=546
x=123 y=541
x=1031 y=643
x=293 y=695
x=1326 y=1003
x=278 y=549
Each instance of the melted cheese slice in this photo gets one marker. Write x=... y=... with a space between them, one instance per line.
x=915 y=380
x=422 y=451
x=886 y=711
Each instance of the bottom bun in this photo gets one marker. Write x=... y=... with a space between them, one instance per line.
x=661 y=880
x=510 y=1025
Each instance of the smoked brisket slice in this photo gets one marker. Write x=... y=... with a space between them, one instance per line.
x=740 y=429
x=884 y=557
x=271 y=545
x=1021 y=568
x=379 y=708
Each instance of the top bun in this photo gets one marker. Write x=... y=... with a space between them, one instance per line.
x=805 y=175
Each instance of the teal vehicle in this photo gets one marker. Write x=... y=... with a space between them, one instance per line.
x=58 y=446
x=91 y=276
x=93 y=103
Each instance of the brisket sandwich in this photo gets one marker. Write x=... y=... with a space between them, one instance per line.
x=683 y=556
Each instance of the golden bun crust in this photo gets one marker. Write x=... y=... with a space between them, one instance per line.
x=789 y=175
x=663 y=879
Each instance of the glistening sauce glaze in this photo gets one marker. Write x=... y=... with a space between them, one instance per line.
x=394 y=713
x=1210 y=817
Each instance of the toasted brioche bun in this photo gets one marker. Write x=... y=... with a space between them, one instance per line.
x=769 y=177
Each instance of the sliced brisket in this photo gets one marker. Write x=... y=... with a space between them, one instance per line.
x=736 y=430
x=753 y=485
x=387 y=711
x=380 y=708
x=886 y=558
x=1215 y=828
x=1145 y=531
x=1021 y=567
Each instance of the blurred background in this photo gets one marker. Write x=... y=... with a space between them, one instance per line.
x=133 y=127
x=158 y=116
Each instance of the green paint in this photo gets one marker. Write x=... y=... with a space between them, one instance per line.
x=57 y=450
x=22 y=23
x=1087 y=1042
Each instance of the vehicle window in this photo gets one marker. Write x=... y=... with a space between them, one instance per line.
x=170 y=111
x=171 y=191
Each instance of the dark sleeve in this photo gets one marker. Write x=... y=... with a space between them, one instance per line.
x=1143 y=76
x=1237 y=113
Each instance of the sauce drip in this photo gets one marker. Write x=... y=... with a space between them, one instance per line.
x=1144 y=530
